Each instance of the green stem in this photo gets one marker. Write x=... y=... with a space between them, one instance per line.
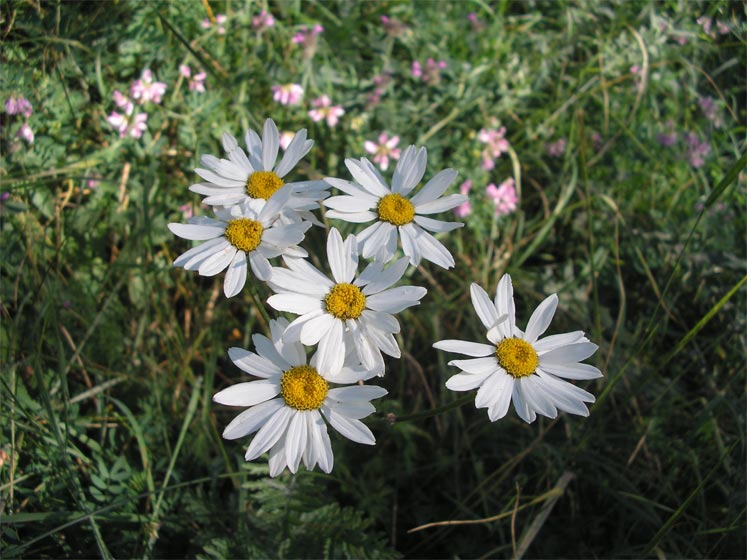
x=433 y=411
x=255 y=298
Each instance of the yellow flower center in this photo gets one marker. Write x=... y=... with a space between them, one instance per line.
x=345 y=301
x=395 y=209
x=263 y=184
x=517 y=357
x=303 y=388
x=244 y=234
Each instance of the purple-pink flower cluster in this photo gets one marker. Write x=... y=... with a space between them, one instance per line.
x=307 y=37
x=557 y=148
x=385 y=149
x=430 y=72
x=220 y=21
x=19 y=105
x=503 y=196
x=145 y=90
x=495 y=145
x=287 y=94
x=263 y=20
x=696 y=150
x=324 y=110
x=196 y=82
x=707 y=24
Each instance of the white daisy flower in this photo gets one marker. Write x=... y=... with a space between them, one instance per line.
x=395 y=211
x=347 y=310
x=288 y=404
x=516 y=365
x=254 y=175
x=240 y=233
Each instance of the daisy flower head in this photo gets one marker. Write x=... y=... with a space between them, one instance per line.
x=395 y=212
x=517 y=365
x=239 y=234
x=290 y=402
x=255 y=176
x=348 y=311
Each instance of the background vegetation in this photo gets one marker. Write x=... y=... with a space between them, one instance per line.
x=110 y=444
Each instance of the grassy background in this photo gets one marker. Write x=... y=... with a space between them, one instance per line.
x=110 y=442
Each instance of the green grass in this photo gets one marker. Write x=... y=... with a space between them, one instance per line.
x=110 y=443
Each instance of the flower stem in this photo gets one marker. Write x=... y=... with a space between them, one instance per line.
x=432 y=412
x=257 y=303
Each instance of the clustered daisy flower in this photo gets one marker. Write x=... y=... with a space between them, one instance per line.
x=310 y=371
x=289 y=403
x=396 y=212
x=517 y=365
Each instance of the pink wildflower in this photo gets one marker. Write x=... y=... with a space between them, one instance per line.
x=220 y=19
x=668 y=136
x=26 y=133
x=696 y=150
x=496 y=145
x=120 y=99
x=723 y=28
x=430 y=73
x=196 y=83
x=128 y=123
x=464 y=209
x=145 y=89
x=287 y=94
x=504 y=197
x=18 y=105
x=710 y=110
x=187 y=210
x=557 y=148
x=325 y=110
x=307 y=39
x=385 y=149
x=475 y=22
x=263 y=20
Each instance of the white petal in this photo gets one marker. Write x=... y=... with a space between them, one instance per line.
x=409 y=171
x=343 y=257
x=466 y=381
x=193 y=258
x=434 y=188
x=535 y=393
x=352 y=217
x=251 y=419
x=248 y=394
x=354 y=430
x=557 y=340
x=499 y=407
x=569 y=354
x=540 y=319
x=376 y=240
x=235 y=275
x=351 y=203
x=321 y=441
x=432 y=249
x=488 y=392
x=270 y=144
x=395 y=300
x=229 y=142
x=441 y=204
x=196 y=232
x=437 y=226
x=375 y=280
x=297 y=149
x=572 y=371
x=217 y=262
x=270 y=433
x=483 y=306
x=520 y=404
x=295 y=440
x=278 y=461
x=267 y=350
x=380 y=320
x=252 y=363
x=315 y=329
x=356 y=393
x=260 y=266
x=467 y=348
x=368 y=353
x=290 y=281
x=476 y=365
x=219 y=180
x=353 y=409
x=410 y=247
x=295 y=303
x=254 y=149
x=369 y=181
x=504 y=305
x=330 y=354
